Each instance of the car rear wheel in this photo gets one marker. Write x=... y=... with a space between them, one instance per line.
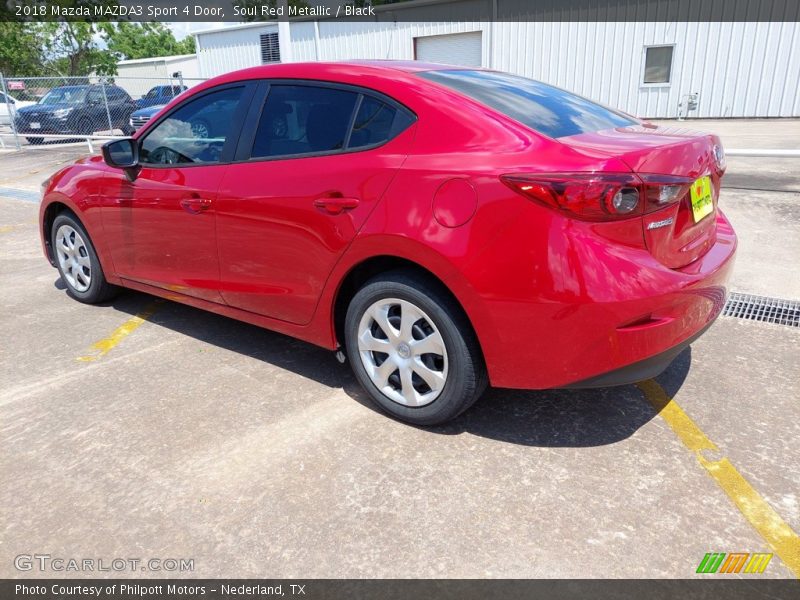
x=34 y=140
x=77 y=261
x=413 y=350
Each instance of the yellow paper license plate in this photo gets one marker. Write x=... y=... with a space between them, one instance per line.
x=702 y=202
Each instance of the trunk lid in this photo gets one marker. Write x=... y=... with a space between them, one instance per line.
x=676 y=235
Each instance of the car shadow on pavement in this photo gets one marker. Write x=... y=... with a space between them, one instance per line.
x=566 y=418
x=547 y=418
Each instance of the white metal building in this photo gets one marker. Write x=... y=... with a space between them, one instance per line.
x=136 y=76
x=648 y=69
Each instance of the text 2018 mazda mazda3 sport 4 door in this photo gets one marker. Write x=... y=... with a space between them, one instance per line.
x=448 y=228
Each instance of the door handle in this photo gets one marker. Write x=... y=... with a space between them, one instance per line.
x=195 y=205
x=336 y=205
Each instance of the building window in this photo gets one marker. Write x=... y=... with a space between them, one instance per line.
x=658 y=64
x=270 y=49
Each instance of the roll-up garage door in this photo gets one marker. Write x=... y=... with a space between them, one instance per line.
x=463 y=49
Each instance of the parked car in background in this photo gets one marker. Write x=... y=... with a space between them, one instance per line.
x=160 y=94
x=206 y=123
x=443 y=228
x=9 y=105
x=76 y=109
x=143 y=115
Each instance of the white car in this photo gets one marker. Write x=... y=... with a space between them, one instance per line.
x=9 y=106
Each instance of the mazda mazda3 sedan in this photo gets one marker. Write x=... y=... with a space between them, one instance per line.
x=445 y=228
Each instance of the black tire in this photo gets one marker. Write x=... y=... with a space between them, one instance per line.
x=99 y=289
x=466 y=377
x=34 y=141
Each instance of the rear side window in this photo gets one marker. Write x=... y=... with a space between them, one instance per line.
x=549 y=110
x=306 y=119
x=300 y=119
x=117 y=94
x=376 y=122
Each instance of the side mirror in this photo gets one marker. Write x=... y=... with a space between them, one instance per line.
x=123 y=154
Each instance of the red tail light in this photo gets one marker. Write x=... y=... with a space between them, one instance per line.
x=600 y=196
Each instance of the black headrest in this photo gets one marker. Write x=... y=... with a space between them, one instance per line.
x=325 y=127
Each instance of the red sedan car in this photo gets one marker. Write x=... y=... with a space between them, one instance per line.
x=448 y=228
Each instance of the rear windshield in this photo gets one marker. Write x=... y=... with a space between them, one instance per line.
x=544 y=108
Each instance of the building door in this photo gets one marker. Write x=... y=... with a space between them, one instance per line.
x=464 y=49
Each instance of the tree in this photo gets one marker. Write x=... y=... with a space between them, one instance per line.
x=143 y=40
x=72 y=48
x=21 y=49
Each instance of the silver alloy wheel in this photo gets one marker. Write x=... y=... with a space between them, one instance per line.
x=403 y=352
x=200 y=130
x=73 y=257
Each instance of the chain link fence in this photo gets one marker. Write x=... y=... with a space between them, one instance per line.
x=43 y=111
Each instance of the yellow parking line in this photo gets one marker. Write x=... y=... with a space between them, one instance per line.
x=775 y=531
x=102 y=347
x=7 y=228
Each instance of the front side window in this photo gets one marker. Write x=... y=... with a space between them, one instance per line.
x=195 y=132
x=95 y=96
x=544 y=108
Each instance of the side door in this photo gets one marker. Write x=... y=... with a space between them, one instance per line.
x=93 y=112
x=313 y=162
x=161 y=226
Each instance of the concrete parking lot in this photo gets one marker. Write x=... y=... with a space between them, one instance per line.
x=181 y=434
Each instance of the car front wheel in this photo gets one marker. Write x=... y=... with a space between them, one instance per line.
x=412 y=349
x=77 y=261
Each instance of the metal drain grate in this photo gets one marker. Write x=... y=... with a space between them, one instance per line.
x=761 y=308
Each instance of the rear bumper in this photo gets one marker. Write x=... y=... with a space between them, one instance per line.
x=632 y=317
x=641 y=370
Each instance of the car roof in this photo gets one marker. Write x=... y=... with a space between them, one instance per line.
x=357 y=72
x=86 y=86
x=409 y=66
x=155 y=108
x=388 y=68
